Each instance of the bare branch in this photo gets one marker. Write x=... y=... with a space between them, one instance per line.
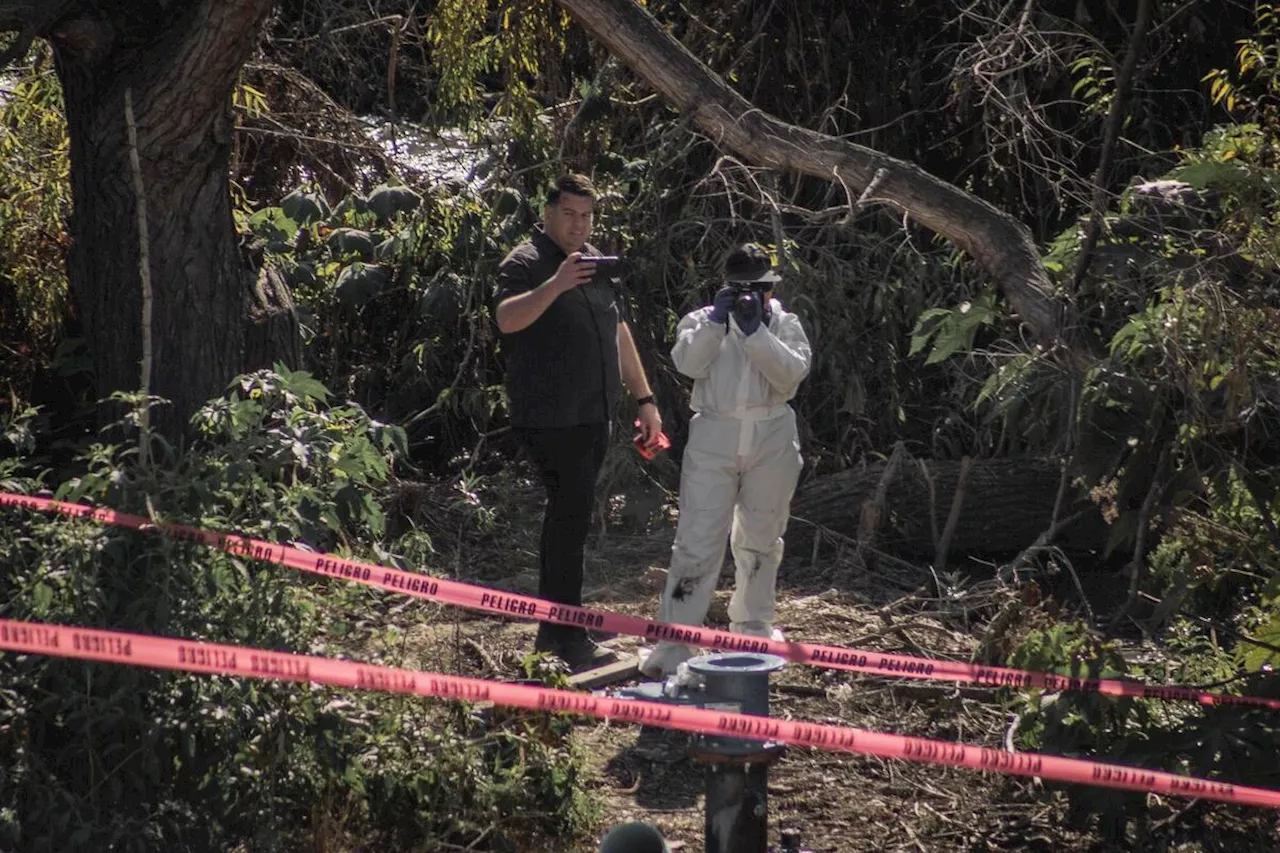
x=1137 y=566
x=953 y=518
x=996 y=240
x=869 y=193
x=1114 y=120
x=144 y=275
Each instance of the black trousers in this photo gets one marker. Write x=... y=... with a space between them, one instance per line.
x=569 y=461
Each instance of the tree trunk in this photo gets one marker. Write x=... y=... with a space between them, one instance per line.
x=1007 y=504
x=997 y=241
x=180 y=61
x=273 y=324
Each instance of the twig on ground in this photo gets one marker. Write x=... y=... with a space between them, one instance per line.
x=953 y=518
x=484 y=657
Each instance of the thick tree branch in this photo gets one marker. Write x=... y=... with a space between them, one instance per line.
x=223 y=36
x=998 y=242
x=1124 y=83
x=21 y=14
x=31 y=19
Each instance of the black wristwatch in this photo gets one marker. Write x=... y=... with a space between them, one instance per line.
x=648 y=398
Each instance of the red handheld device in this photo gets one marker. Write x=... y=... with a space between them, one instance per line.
x=649 y=452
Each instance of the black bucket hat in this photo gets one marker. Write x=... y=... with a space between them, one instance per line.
x=749 y=262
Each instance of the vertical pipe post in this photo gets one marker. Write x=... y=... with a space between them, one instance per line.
x=737 y=812
x=737 y=769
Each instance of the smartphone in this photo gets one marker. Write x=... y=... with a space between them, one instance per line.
x=607 y=267
x=663 y=443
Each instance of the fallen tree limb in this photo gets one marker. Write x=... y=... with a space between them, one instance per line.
x=998 y=242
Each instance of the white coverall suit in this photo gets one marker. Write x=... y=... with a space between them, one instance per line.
x=740 y=468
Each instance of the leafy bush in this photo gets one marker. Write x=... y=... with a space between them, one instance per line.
x=392 y=290
x=1233 y=743
x=110 y=757
x=1171 y=435
x=35 y=198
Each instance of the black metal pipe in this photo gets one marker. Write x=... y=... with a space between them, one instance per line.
x=737 y=769
x=737 y=774
x=737 y=815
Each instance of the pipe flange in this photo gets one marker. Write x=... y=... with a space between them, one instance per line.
x=736 y=663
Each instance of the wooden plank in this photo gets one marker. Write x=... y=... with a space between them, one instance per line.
x=620 y=670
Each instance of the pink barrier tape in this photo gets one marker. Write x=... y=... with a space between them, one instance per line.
x=527 y=607
x=217 y=659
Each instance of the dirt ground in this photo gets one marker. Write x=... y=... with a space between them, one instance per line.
x=840 y=802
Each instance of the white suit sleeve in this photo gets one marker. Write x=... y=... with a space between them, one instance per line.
x=698 y=342
x=782 y=355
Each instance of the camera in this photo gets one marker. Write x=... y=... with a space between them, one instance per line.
x=747 y=295
x=748 y=289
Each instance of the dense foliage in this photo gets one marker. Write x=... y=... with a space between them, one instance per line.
x=1168 y=426
x=121 y=758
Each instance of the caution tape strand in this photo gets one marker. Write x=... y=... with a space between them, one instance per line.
x=218 y=659
x=508 y=604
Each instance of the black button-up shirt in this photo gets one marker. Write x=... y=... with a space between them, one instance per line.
x=562 y=370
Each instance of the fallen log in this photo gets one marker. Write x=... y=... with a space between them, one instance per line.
x=1006 y=505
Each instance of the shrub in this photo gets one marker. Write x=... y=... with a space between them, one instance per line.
x=104 y=757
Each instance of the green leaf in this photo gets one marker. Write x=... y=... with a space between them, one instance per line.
x=386 y=201
x=926 y=327
x=948 y=343
x=1081 y=83
x=359 y=283
x=301 y=383
x=273 y=224
x=42 y=595
x=389 y=249
x=1122 y=532
x=304 y=207
x=346 y=241
x=1254 y=657
x=507 y=202
x=1211 y=175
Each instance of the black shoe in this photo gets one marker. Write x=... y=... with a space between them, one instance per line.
x=584 y=653
x=578 y=650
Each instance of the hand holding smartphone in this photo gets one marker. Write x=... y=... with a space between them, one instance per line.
x=649 y=451
x=605 y=266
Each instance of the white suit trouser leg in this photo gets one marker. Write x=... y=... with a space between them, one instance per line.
x=759 y=520
x=738 y=475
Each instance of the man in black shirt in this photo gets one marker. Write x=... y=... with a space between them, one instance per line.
x=567 y=352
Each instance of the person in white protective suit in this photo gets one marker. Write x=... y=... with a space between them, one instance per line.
x=747 y=356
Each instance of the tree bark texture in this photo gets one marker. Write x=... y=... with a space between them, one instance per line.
x=272 y=334
x=182 y=74
x=181 y=60
x=998 y=242
x=1007 y=504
